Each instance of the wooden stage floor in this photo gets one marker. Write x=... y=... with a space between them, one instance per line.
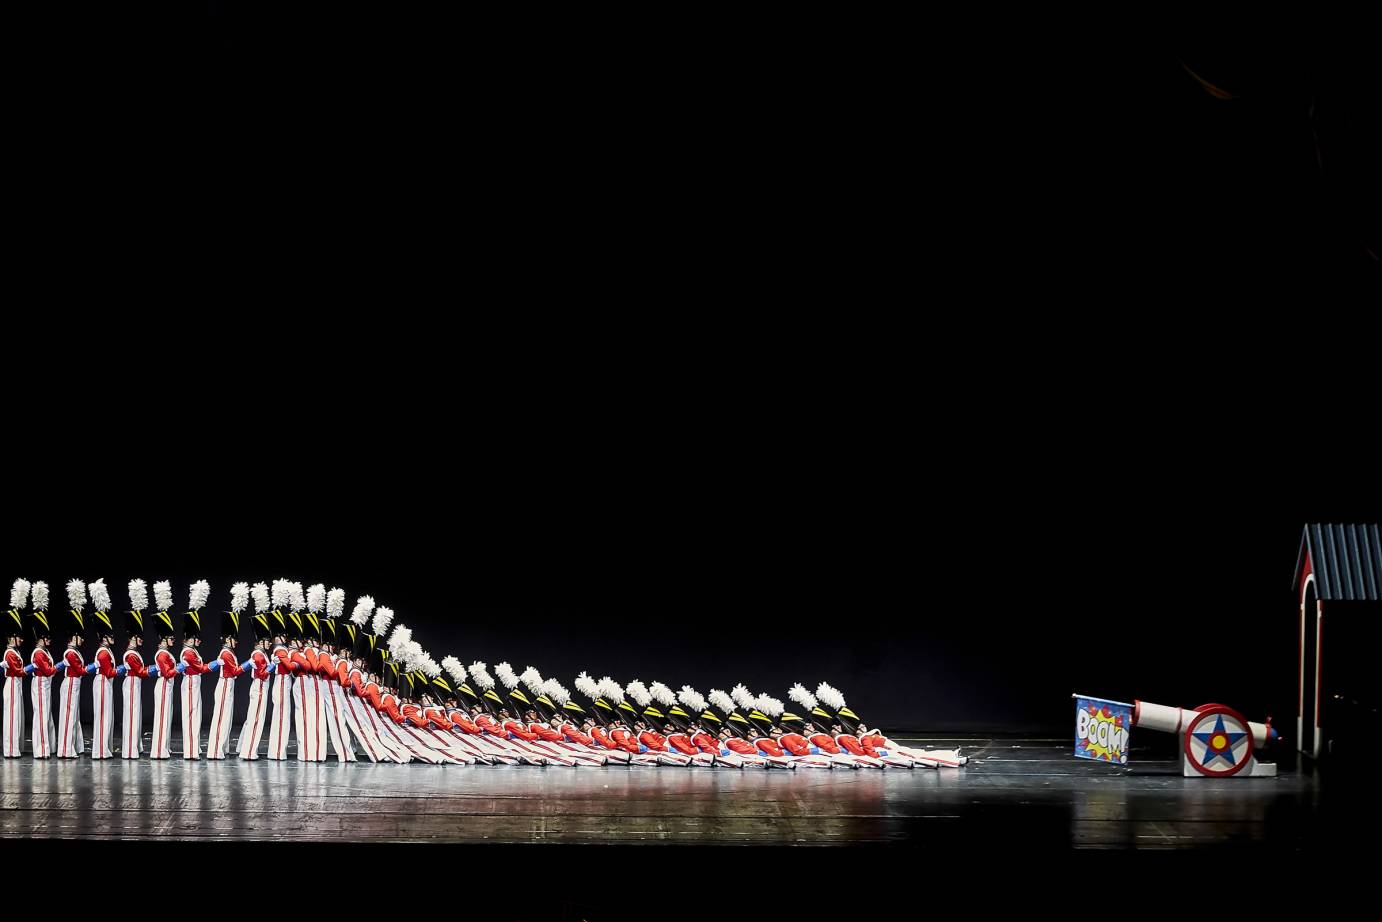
x=1014 y=793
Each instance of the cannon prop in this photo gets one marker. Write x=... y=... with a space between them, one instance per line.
x=1216 y=741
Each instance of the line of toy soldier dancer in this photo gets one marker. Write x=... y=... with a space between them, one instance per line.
x=334 y=685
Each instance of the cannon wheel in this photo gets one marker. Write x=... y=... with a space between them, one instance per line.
x=1218 y=735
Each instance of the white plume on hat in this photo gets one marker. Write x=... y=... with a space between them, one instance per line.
x=557 y=692
x=239 y=596
x=721 y=700
x=40 y=595
x=295 y=600
x=483 y=679
x=335 y=603
x=261 y=597
x=383 y=617
x=830 y=697
x=401 y=636
x=430 y=668
x=743 y=697
x=363 y=607
x=611 y=691
x=454 y=669
x=198 y=594
x=280 y=593
x=587 y=686
x=139 y=595
x=19 y=594
x=638 y=692
x=505 y=673
x=663 y=694
x=691 y=698
x=76 y=594
x=316 y=597
x=163 y=595
x=100 y=595
x=533 y=679
x=770 y=706
x=801 y=696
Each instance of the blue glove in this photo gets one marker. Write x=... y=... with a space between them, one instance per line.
x=273 y=667
x=120 y=670
x=181 y=668
x=247 y=664
x=215 y=666
x=90 y=668
x=29 y=669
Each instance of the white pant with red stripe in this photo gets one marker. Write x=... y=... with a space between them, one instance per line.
x=192 y=717
x=351 y=719
x=253 y=728
x=70 y=742
x=13 y=737
x=132 y=724
x=367 y=725
x=308 y=714
x=335 y=720
x=163 y=718
x=281 y=721
x=222 y=715
x=102 y=716
x=44 y=738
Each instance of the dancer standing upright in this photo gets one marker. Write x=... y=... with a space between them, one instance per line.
x=227 y=667
x=135 y=672
x=167 y=668
x=41 y=667
x=104 y=669
x=13 y=735
x=260 y=667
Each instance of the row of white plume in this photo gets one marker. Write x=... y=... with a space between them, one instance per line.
x=286 y=593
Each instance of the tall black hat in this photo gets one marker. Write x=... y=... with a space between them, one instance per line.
x=832 y=702
x=440 y=686
x=197 y=597
x=229 y=625
x=39 y=628
x=347 y=636
x=14 y=623
x=312 y=627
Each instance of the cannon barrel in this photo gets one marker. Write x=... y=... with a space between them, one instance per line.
x=1177 y=720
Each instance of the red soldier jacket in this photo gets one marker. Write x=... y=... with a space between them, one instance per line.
x=105 y=663
x=682 y=743
x=285 y=661
x=576 y=736
x=374 y=696
x=770 y=747
x=193 y=661
x=520 y=731
x=854 y=745
x=14 y=663
x=462 y=721
x=795 y=743
x=624 y=739
x=437 y=716
x=741 y=746
x=308 y=656
x=388 y=705
x=76 y=666
x=42 y=662
x=655 y=741
x=489 y=725
x=230 y=666
x=260 y=669
x=546 y=733
x=134 y=665
x=343 y=671
x=825 y=743
x=706 y=742
x=602 y=738
x=874 y=741
x=165 y=664
x=299 y=663
x=413 y=714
